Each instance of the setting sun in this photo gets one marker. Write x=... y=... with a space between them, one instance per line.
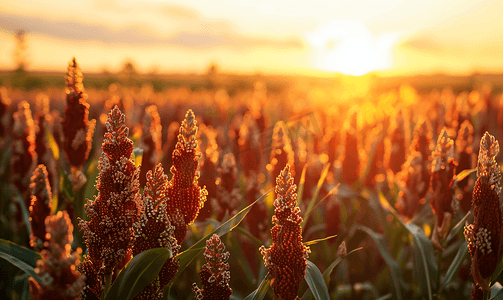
x=350 y=48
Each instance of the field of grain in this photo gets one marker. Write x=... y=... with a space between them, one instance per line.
x=221 y=187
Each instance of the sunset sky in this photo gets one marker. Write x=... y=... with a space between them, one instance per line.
x=354 y=37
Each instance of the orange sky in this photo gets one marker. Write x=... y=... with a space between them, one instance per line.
x=354 y=37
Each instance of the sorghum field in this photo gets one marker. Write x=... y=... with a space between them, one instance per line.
x=126 y=192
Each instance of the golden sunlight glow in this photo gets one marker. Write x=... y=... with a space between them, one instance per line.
x=350 y=48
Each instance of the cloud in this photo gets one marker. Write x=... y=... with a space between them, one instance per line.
x=424 y=43
x=203 y=35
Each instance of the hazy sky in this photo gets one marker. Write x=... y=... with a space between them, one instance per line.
x=269 y=36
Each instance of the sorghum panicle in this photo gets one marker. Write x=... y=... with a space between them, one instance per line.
x=208 y=168
x=169 y=146
x=249 y=145
x=351 y=157
x=43 y=149
x=24 y=158
x=150 y=141
x=257 y=217
x=281 y=151
x=483 y=235
x=109 y=232
x=228 y=195
x=184 y=194
x=412 y=183
x=215 y=275
x=40 y=208
x=332 y=217
x=57 y=268
x=397 y=143
x=466 y=160
x=376 y=154
x=154 y=230
x=78 y=130
x=422 y=139
x=443 y=170
x=4 y=115
x=286 y=258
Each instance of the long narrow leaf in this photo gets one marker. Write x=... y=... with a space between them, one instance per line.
x=457 y=228
x=455 y=265
x=425 y=266
x=261 y=291
x=140 y=271
x=188 y=255
x=324 y=174
x=24 y=259
x=397 y=281
x=463 y=174
x=315 y=281
x=314 y=242
x=302 y=181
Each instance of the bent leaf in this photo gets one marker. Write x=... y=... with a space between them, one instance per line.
x=315 y=281
x=324 y=174
x=314 y=242
x=455 y=265
x=261 y=291
x=140 y=271
x=463 y=174
x=393 y=266
x=457 y=228
x=186 y=257
x=24 y=259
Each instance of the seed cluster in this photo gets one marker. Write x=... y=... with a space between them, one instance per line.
x=150 y=141
x=215 y=275
x=57 y=268
x=184 y=194
x=40 y=208
x=286 y=258
x=154 y=230
x=483 y=235
x=109 y=232
x=78 y=130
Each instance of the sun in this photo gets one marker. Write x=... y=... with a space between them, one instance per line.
x=350 y=48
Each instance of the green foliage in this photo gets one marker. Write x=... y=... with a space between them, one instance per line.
x=139 y=272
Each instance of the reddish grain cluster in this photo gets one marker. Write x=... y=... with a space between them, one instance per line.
x=483 y=235
x=184 y=194
x=109 y=232
x=154 y=230
x=78 y=130
x=40 y=208
x=57 y=268
x=286 y=258
x=215 y=275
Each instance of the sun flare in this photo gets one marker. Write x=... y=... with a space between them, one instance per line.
x=350 y=48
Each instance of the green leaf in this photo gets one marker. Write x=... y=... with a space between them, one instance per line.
x=463 y=174
x=24 y=259
x=302 y=181
x=188 y=255
x=315 y=281
x=397 y=281
x=24 y=211
x=261 y=291
x=314 y=242
x=455 y=265
x=425 y=266
x=460 y=225
x=324 y=174
x=328 y=271
x=140 y=271
x=497 y=292
x=248 y=234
